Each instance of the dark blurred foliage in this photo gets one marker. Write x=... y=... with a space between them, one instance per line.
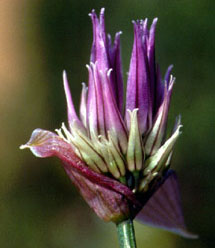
x=39 y=206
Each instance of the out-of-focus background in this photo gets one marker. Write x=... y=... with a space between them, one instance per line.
x=39 y=207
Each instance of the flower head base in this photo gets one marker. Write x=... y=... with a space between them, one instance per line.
x=118 y=158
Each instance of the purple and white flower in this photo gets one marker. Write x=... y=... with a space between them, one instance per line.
x=117 y=154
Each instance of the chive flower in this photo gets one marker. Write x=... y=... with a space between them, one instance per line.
x=116 y=151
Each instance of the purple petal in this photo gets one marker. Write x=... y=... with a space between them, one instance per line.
x=145 y=29
x=83 y=105
x=91 y=110
x=163 y=209
x=72 y=116
x=138 y=85
x=113 y=119
x=159 y=90
x=95 y=104
x=102 y=24
x=151 y=57
x=95 y=24
x=70 y=106
x=99 y=49
x=116 y=75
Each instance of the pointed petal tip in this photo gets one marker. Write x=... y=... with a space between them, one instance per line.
x=155 y=20
x=92 y=13
x=42 y=143
x=88 y=67
x=64 y=74
x=102 y=11
x=65 y=80
x=22 y=147
x=84 y=85
x=172 y=78
x=92 y=64
x=31 y=147
x=117 y=36
x=170 y=67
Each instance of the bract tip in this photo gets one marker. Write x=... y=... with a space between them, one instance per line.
x=119 y=33
x=23 y=147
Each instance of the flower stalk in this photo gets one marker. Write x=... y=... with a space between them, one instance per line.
x=126 y=234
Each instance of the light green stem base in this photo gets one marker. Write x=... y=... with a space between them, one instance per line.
x=126 y=234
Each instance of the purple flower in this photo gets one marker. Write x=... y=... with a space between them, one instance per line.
x=118 y=157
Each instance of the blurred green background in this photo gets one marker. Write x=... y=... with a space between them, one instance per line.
x=39 y=207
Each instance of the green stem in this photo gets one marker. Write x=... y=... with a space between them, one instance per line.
x=126 y=234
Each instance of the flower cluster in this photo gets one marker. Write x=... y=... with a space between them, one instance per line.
x=125 y=144
x=117 y=154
